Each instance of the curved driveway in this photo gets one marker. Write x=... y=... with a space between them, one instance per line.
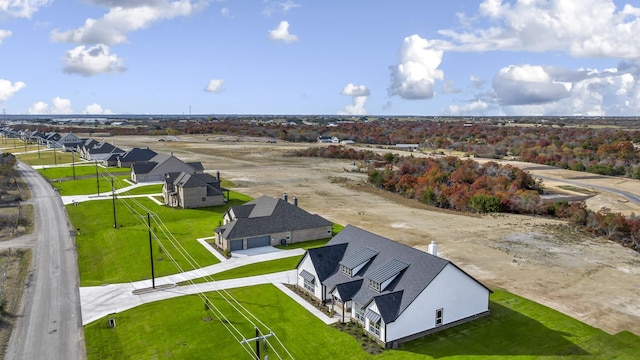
x=49 y=325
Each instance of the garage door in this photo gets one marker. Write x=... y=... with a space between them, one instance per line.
x=235 y=245
x=258 y=241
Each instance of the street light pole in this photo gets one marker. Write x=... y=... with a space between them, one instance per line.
x=73 y=165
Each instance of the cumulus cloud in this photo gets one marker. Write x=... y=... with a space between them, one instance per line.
x=226 y=13
x=123 y=17
x=96 y=109
x=89 y=61
x=527 y=84
x=59 y=106
x=359 y=95
x=22 y=8
x=281 y=33
x=8 y=89
x=214 y=85
x=589 y=28
x=417 y=71
x=4 y=34
x=472 y=108
x=534 y=90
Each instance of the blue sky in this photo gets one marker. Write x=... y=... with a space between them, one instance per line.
x=419 y=57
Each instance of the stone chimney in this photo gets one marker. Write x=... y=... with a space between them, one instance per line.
x=433 y=248
x=285 y=197
x=295 y=201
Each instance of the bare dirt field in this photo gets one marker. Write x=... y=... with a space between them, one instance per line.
x=545 y=260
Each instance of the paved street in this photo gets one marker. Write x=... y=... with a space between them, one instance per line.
x=49 y=325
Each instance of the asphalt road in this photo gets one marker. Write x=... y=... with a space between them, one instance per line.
x=49 y=323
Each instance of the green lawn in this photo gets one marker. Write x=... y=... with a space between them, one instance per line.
x=146 y=189
x=89 y=186
x=46 y=157
x=108 y=255
x=177 y=329
x=80 y=170
x=265 y=267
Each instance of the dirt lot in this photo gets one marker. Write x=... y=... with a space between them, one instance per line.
x=591 y=279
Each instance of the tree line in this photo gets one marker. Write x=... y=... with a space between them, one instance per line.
x=465 y=185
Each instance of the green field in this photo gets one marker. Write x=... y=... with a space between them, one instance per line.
x=146 y=189
x=180 y=328
x=66 y=172
x=89 y=186
x=108 y=255
x=46 y=157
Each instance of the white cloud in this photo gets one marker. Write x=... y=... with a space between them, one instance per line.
x=91 y=61
x=449 y=87
x=8 y=89
x=534 y=90
x=22 y=8
x=355 y=90
x=282 y=6
x=527 y=84
x=96 y=109
x=60 y=106
x=473 y=108
x=588 y=28
x=4 y=34
x=477 y=82
x=214 y=85
x=124 y=17
x=415 y=75
x=281 y=33
x=226 y=13
x=359 y=95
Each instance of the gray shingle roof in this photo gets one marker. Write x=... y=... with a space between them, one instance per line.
x=137 y=154
x=267 y=215
x=307 y=275
x=419 y=269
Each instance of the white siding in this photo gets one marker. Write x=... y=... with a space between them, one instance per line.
x=453 y=291
x=307 y=265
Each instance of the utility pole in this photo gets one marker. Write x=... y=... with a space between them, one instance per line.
x=55 y=158
x=73 y=164
x=113 y=195
x=153 y=276
x=38 y=149
x=97 y=178
x=257 y=339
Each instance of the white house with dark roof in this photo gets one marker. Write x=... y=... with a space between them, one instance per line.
x=397 y=293
x=269 y=221
x=158 y=166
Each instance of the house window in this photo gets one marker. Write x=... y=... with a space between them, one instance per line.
x=204 y=199
x=374 y=285
x=374 y=328
x=310 y=285
x=439 y=317
x=346 y=270
x=359 y=313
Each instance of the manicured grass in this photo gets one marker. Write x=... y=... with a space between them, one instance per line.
x=304 y=245
x=146 y=189
x=46 y=157
x=89 y=186
x=81 y=170
x=262 y=268
x=516 y=329
x=108 y=255
x=175 y=329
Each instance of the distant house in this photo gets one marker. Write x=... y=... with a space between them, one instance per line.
x=324 y=139
x=269 y=221
x=193 y=190
x=347 y=142
x=135 y=155
x=102 y=151
x=51 y=140
x=410 y=147
x=161 y=164
x=397 y=293
x=69 y=142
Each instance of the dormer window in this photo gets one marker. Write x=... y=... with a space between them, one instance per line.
x=346 y=270
x=374 y=285
x=351 y=264
x=381 y=277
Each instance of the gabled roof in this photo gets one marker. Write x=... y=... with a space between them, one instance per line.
x=137 y=154
x=413 y=270
x=143 y=167
x=185 y=180
x=325 y=259
x=267 y=215
x=359 y=258
x=104 y=148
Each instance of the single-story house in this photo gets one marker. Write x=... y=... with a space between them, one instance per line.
x=102 y=151
x=397 y=293
x=135 y=155
x=161 y=164
x=193 y=190
x=268 y=221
